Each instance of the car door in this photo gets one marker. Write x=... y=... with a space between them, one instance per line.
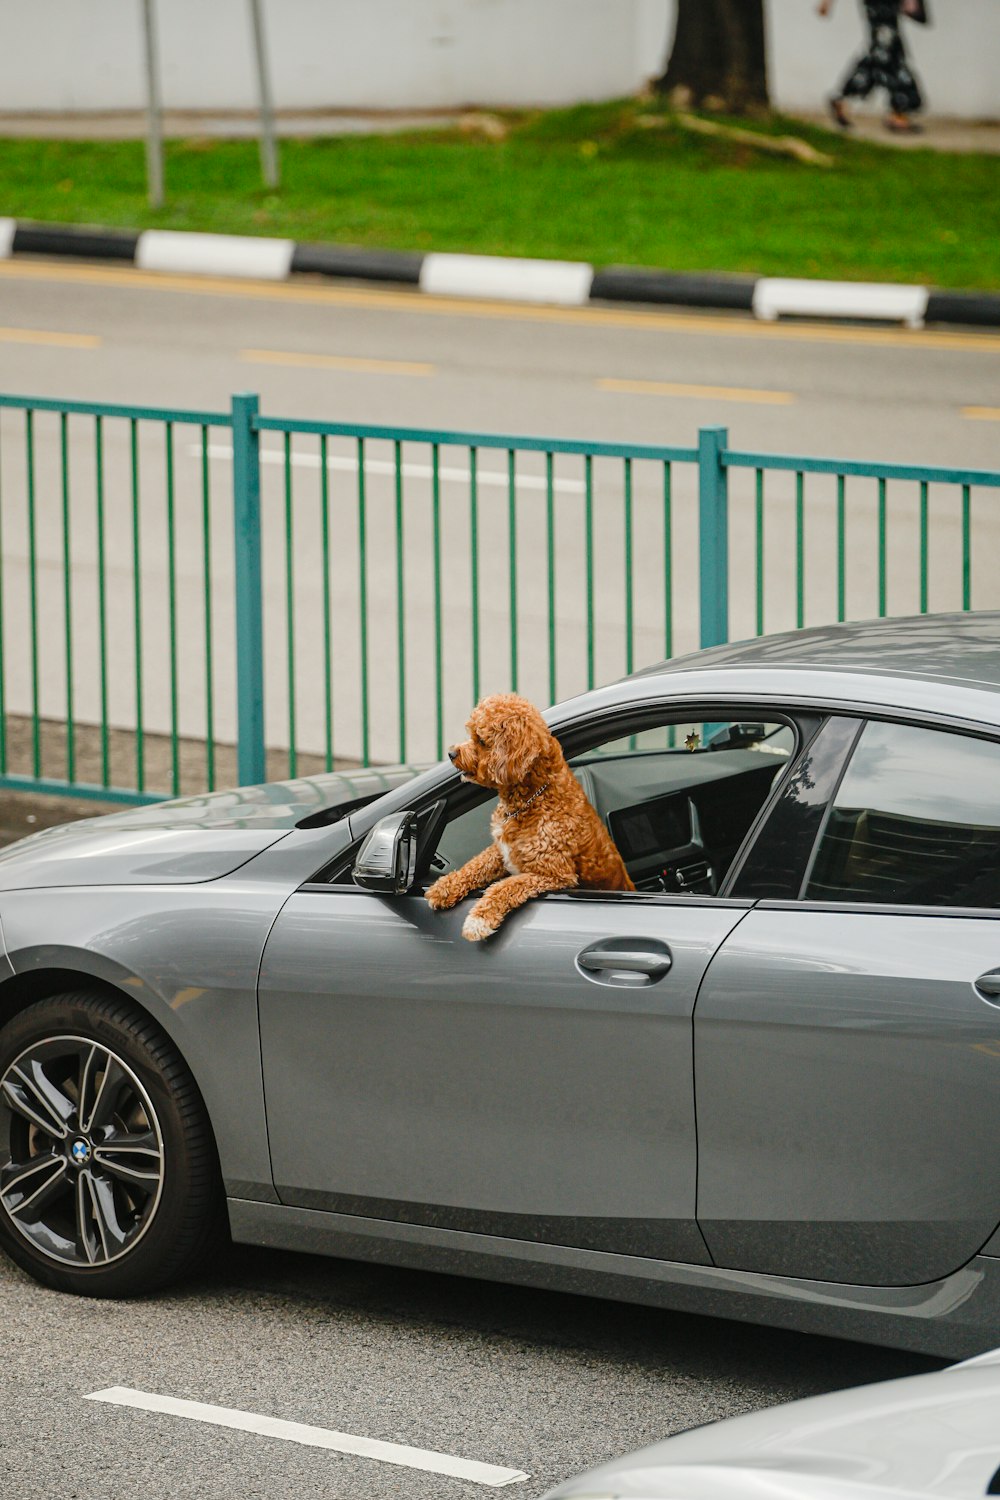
x=507 y=1089
x=847 y=1043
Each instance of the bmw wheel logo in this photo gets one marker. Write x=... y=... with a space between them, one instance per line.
x=80 y=1152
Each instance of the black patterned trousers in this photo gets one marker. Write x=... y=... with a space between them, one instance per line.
x=884 y=65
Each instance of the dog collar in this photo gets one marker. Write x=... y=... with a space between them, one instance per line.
x=515 y=812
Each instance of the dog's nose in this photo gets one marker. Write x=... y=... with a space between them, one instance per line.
x=452 y=754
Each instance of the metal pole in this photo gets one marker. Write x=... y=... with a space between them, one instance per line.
x=268 y=145
x=713 y=535
x=154 y=109
x=250 y=757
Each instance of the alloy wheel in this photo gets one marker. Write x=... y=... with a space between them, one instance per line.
x=81 y=1151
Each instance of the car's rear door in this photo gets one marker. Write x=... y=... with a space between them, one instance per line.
x=537 y=1088
x=847 y=1043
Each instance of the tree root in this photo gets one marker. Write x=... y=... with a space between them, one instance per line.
x=778 y=145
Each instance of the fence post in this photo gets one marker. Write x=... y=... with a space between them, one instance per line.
x=250 y=758
x=713 y=536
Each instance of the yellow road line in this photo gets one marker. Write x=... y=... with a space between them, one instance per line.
x=697 y=392
x=982 y=413
x=720 y=325
x=336 y=362
x=53 y=340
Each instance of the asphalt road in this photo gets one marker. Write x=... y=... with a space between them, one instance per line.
x=529 y=1380
x=393 y=356
x=533 y=1381
x=382 y=356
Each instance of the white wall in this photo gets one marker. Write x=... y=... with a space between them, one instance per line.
x=388 y=54
x=356 y=54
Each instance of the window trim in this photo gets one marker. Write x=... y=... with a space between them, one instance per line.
x=884 y=908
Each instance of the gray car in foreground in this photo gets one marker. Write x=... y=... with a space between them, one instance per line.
x=926 y=1435
x=764 y=1085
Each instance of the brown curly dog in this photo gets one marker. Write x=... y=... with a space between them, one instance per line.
x=546 y=835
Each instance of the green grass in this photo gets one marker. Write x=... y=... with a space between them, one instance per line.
x=590 y=183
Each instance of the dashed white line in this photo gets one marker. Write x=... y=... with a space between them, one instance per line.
x=313 y=1437
x=410 y=470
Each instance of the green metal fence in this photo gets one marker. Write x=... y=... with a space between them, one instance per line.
x=193 y=599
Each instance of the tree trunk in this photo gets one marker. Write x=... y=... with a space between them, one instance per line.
x=718 y=58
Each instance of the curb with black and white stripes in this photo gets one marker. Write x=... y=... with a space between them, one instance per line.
x=556 y=282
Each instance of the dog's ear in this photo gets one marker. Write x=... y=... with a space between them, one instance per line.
x=517 y=743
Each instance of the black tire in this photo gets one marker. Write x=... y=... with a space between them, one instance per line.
x=102 y=1209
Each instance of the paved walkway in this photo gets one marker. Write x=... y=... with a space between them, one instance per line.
x=939 y=134
x=936 y=134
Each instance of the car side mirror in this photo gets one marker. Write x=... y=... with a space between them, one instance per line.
x=387 y=860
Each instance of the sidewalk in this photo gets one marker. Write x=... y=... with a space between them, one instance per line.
x=937 y=134
x=940 y=133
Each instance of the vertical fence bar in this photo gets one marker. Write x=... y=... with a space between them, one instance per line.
x=924 y=550
x=140 y=748
x=102 y=598
x=512 y=538
x=668 y=563
x=588 y=523
x=36 y=741
x=324 y=491
x=363 y=598
x=713 y=536
x=881 y=549
x=759 y=570
x=250 y=758
x=550 y=539
x=3 y=690
x=438 y=646
x=629 y=581
x=67 y=595
x=474 y=551
x=966 y=547
x=400 y=602
x=175 y=759
x=293 y=759
x=800 y=550
x=841 y=547
x=206 y=526
x=668 y=577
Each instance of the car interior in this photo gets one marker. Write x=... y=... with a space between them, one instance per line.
x=678 y=802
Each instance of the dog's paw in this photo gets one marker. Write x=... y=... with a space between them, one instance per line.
x=443 y=894
x=476 y=928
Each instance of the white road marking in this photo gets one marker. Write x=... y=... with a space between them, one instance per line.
x=410 y=470
x=313 y=1437
x=7 y=228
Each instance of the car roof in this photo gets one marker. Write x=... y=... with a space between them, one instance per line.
x=947 y=647
x=944 y=666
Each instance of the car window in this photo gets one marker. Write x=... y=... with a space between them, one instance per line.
x=678 y=800
x=916 y=821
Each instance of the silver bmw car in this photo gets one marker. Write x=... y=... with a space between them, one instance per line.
x=764 y=1085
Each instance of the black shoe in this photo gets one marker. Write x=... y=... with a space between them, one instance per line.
x=839 y=113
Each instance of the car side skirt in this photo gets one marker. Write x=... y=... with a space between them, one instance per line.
x=954 y=1317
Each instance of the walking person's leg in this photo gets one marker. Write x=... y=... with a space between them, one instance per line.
x=860 y=78
x=904 y=91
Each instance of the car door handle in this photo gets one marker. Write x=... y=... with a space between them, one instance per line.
x=988 y=985
x=625 y=958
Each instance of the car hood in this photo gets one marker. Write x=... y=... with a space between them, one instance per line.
x=191 y=839
x=936 y=1434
